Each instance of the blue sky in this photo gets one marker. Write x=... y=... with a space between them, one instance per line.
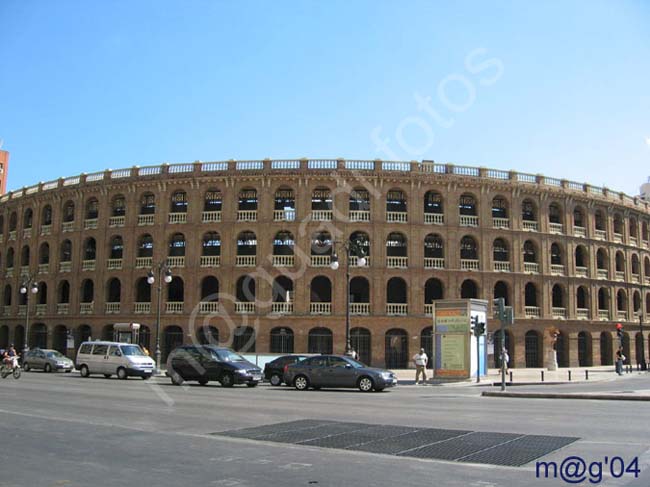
x=560 y=88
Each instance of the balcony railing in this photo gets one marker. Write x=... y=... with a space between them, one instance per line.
x=322 y=215
x=559 y=313
x=63 y=308
x=618 y=238
x=354 y=261
x=111 y=308
x=532 y=311
x=177 y=218
x=65 y=266
x=22 y=309
x=580 y=231
x=530 y=225
x=177 y=261
x=581 y=271
x=211 y=217
x=397 y=309
x=27 y=233
x=244 y=308
x=434 y=218
x=2 y=238
x=396 y=217
x=428 y=309
x=146 y=220
x=46 y=229
x=41 y=309
x=557 y=269
x=320 y=260
x=531 y=267
x=246 y=261
x=468 y=221
x=359 y=216
x=320 y=308
x=117 y=221
x=12 y=235
x=360 y=309
x=633 y=241
x=646 y=280
x=86 y=308
x=582 y=313
x=9 y=272
x=6 y=311
x=621 y=315
x=43 y=268
x=114 y=264
x=143 y=262
x=603 y=314
x=620 y=275
x=206 y=307
x=501 y=266
x=65 y=227
x=555 y=228
x=210 y=261
x=282 y=308
x=91 y=224
x=469 y=264
x=246 y=215
x=434 y=263
x=284 y=215
x=283 y=260
x=174 y=307
x=24 y=270
x=500 y=223
x=600 y=234
x=636 y=278
x=142 y=308
x=603 y=274
x=397 y=262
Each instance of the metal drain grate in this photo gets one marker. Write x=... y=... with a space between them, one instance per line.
x=440 y=444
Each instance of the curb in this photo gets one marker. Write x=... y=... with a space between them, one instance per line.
x=543 y=395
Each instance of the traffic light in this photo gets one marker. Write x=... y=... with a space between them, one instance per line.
x=473 y=320
x=500 y=309
x=480 y=327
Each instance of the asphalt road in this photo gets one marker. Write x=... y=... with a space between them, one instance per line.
x=63 y=430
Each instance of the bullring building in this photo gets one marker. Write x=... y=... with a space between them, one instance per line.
x=248 y=247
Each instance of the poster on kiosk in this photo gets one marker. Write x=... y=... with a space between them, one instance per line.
x=457 y=352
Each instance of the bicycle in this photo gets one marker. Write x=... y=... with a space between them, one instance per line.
x=13 y=368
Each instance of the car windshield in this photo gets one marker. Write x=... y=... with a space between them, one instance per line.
x=55 y=354
x=132 y=350
x=356 y=364
x=228 y=356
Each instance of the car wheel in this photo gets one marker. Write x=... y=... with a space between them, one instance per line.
x=47 y=368
x=108 y=376
x=203 y=382
x=365 y=384
x=121 y=373
x=275 y=380
x=177 y=380
x=227 y=380
x=26 y=366
x=84 y=371
x=251 y=384
x=301 y=383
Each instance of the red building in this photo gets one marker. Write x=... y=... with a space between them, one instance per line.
x=4 y=170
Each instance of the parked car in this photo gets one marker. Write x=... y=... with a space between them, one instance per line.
x=108 y=358
x=47 y=360
x=337 y=371
x=204 y=363
x=274 y=370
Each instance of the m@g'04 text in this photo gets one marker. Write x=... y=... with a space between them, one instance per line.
x=575 y=470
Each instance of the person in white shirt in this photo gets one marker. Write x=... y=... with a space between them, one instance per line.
x=420 y=360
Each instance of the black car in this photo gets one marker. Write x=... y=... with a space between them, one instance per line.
x=337 y=371
x=204 y=363
x=274 y=370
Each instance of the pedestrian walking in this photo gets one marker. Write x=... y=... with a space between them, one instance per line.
x=421 y=360
x=505 y=359
x=620 y=358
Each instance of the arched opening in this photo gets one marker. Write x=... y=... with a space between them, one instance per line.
x=244 y=339
x=209 y=289
x=66 y=251
x=578 y=218
x=92 y=209
x=530 y=252
x=116 y=249
x=38 y=336
x=4 y=337
x=468 y=249
x=501 y=290
x=396 y=245
x=245 y=289
x=606 y=350
x=321 y=245
x=177 y=245
x=396 y=206
x=599 y=220
x=530 y=295
x=46 y=216
x=500 y=253
x=207 y=335
x=582 y=302
x=28 y=218
x=557 y=296
x=426 y=342
x=176 y=290
x=281 y=340
x=142 y=291
x=321 y=200
x=582 y=259
x=60 y=339
x=396 y=349
x=285 y=205
x=499 y=207
x=283 y=243
x=178 y=202
x=359 y=202
x=533 y=343
x=359 y=290
x=320 y=340
x=282 y=290
x=584 y=349
x=433 y=208
x=24 y=256
x=68 y=212
x=87 y=291
x=528 y=211
x=360 y=341
x=148 y=204
x=172 y=338
x=467 y=205
x=212 y=200
x=555 y=214
x=434 y=252
x=113 y=291
x=107 y=333
x=84 y=334
x=145 y=246
x=433 y=290
x=90 y=249
x=562 y=349
x=19 y=338
x=469 y=289
x=145 y=337
x=118 y=206
x=396 y=296
x=321 y=290
x=63 y=293
x=44 y=254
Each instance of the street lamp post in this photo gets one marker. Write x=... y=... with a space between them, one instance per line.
x=642 y=358
x=162 y=268
x=349 y=246
x=28 y=286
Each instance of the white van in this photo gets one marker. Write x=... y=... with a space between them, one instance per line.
x=113 y=358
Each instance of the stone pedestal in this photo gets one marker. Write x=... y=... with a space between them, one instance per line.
x=552 y=360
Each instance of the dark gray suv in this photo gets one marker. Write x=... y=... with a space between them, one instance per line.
x=337 y=371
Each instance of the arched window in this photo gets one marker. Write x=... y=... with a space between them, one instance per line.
x=636 y=265
x=361 y=240
x=281 y=340
x=396 y=296
x=620 y=262
x=468 y=289
x=7 y=295
x=501 y=291
x=211 y=244
x=178 y=202
x=244 y=339
x=582 y=302
x=434 y=247
x=208 y=335
x=582 y=260
x=528 y=211
x=433 y=290
x=468 y=249
x=557 y=294
x=321 y=244
x=359 y=294
x=87 y=291
x=633 y=227
x=247 y=200
x=245 y=289
x=530 y=295
x=90 y=249
x=396 y=206
x=210 y=289
x=602 y=262
x=320 y=293
x=321 y=199
x=145 y=246
x=63 y=293
x=282 y=292
x=644 y=231
x=359 y=202
x=555 y=213
x=176 y=290
x=285 y=205
x=28 y=218
x=142 y=291
x=360 y=341
x=148 y=204
x=320 y=340
x=283 y=243
x=467 y=205
x=118 y=206
x=618 y=225
x=24 y=256
x=396 y=245
x=621 y=300
x=500 y=252
x=68 y=212
x=578 y=218
x=499 y=207
x=212 y=201
x=177 y=245
x=66 y=251
x=113 y=291
x=599 y=220
x=246 y=244
x=10 y=258
x=533 y=343
x=396 y=349
x=603 y=300
x=116 y=247
x=44 y=254
x=636 y=302
x=433 y=208
x=46 y=215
